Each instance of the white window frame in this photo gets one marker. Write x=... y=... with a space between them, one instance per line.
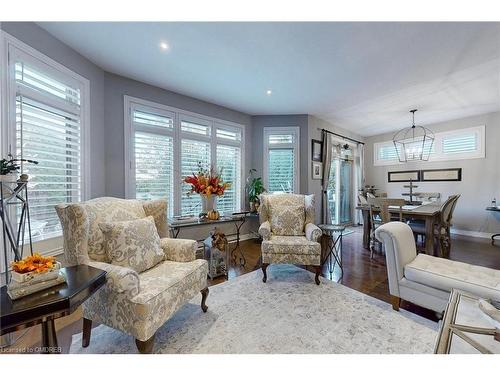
x=179 y=115
x=279 y=130
x=8 y=45
x=438 y=154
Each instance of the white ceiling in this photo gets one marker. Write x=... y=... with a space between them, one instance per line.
x=360 y=76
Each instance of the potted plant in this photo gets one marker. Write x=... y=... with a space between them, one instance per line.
x=9 y=171
x=255 y=187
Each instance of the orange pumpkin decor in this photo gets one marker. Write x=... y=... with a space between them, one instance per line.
x=213 y=215
x=34 y=263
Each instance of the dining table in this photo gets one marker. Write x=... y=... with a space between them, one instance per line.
x=430 y=213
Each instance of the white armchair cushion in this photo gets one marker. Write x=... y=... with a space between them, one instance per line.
x=133 y=244
x=119 y=279
x=179 y=250
x=445 y=274
x=313 y=233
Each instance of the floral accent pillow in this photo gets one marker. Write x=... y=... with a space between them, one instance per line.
x=133 y=244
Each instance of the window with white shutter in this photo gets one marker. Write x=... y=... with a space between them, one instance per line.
x=47 y=125
x=465 y=143
x=166 y=144
x=193 y=154
x=281 y=149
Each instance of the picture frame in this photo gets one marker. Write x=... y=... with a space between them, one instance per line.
x=316 y=150
x=403 y=176
x=317 y=170
x=438 y=175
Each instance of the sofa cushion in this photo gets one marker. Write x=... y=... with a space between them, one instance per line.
x=290 y=245
x=108 y=210
x=133 y=244
x=287 y=214
x=445 y=274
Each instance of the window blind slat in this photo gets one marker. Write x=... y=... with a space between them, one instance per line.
x=229 y=160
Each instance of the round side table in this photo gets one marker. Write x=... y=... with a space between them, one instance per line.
x=333 y=242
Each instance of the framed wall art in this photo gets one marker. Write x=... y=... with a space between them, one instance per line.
x=448 y=174
x=403 y=176
x=316 y=150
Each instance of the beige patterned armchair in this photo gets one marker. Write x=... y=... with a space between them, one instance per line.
x=288 y=231
x=134 y=303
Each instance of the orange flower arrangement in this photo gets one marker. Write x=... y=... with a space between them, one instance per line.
x=34 y=263
x=207 y=182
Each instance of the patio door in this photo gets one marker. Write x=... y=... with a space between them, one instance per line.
x=340 y=191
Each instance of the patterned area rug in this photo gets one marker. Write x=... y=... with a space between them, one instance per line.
x=288 y=314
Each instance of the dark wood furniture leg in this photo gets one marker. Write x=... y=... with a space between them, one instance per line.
x=87 y=329
x=146 y=347
x=366 y=229
x=318 y=274
x=204 y=295
x=49 y=337
x=429 y=235
x=396 y=302
x=264 y=270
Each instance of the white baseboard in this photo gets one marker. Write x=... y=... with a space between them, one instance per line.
x=245 y=237
x=471 y=233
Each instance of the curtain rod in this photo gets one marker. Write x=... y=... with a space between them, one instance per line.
x=342 y=136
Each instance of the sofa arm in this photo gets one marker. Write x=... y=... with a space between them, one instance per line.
x=119 y=279
x=265 y=230
x=179 y=250
x=313 y=233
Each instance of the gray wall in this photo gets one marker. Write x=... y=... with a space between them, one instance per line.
x=480 y=177
x=257 y=148
x=315 y=126
x=41 y=40
x=115 y=87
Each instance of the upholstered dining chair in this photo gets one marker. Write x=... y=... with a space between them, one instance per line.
x=134 y=302
x=442 y=228
x=379 y=215
x=288 y=231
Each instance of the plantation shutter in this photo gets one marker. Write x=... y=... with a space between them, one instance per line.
x=153 y=145
x=48 y=130
x=229 y=159
x=194 y=153
x=460 y=143
x=281 y=170
x=282 y=157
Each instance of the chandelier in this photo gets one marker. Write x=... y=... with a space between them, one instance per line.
x=414 y=143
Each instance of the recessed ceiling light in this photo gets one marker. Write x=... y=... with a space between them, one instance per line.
x=269 y=92
x=164 y=46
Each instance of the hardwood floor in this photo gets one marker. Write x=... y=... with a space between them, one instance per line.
x=366 y=275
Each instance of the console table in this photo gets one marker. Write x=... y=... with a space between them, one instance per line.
x=237 y=218
x=47 y=305
x=495 y=209
x=465 y=328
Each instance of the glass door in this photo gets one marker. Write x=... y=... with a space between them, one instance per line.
x=340 y=191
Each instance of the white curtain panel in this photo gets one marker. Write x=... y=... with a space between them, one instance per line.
x=327 y=162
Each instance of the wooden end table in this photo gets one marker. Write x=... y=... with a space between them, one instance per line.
x=47 y=305
x=465 y=329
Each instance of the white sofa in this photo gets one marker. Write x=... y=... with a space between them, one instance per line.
x=426 y=280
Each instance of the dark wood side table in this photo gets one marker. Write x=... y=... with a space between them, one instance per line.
x=47 y=305
x=495 y=209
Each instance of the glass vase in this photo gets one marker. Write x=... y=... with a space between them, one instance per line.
x=208 y=203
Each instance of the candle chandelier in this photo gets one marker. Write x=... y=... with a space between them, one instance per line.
x=414 y=143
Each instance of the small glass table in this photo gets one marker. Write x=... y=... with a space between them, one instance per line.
x=332 y=240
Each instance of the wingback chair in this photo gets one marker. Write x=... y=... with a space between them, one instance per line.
x=134 y=303
x=288 y=231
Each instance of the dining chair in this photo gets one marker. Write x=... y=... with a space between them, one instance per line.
x=442 y=228
x=380 y=214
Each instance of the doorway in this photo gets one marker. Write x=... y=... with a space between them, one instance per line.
x=340 y=188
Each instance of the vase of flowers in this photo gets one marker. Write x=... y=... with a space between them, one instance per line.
x=209 y=184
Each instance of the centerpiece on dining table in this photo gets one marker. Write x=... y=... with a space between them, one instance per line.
x=210 y=185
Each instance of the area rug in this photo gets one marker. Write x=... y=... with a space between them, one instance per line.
x=288 y=314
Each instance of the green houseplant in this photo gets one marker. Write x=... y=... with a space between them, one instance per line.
x=255 y=187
